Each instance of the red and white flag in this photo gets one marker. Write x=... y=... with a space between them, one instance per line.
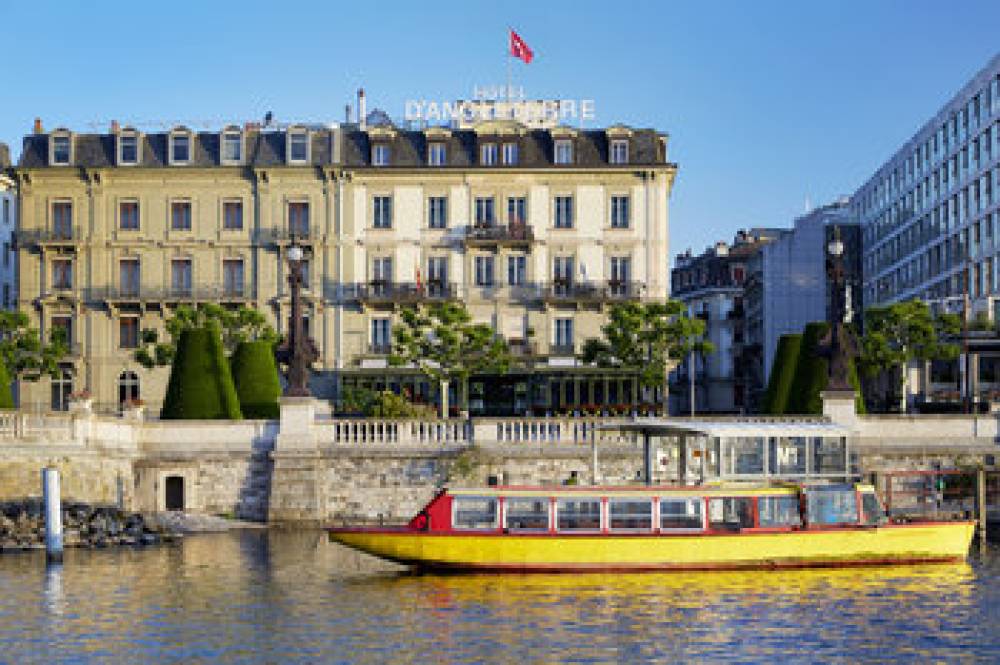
x=519 y=49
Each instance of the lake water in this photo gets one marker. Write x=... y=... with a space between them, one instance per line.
x=279 y=596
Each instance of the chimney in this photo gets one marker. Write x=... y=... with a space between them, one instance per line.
x=362 y=108
x=115 y=127
x=38 y=126
x=347 y=113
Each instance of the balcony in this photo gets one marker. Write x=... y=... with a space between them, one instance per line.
x=562 y=350
x=285 y=236
x=59 y=236
x=405 y=293
x=507 y=235
x=196 y=294
x=522 y=348
x=596 y=292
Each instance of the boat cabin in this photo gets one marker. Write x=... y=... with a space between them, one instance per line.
x=649 y=510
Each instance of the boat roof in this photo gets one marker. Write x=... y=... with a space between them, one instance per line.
x=646 y=491
x=729 y=427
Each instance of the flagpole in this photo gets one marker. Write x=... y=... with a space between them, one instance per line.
x=509 y=69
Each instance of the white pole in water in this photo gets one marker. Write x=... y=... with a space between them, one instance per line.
x=53 y=514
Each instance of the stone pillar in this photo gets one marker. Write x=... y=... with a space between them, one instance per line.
x=838 y=406
x=296 y=429
x=297 y=466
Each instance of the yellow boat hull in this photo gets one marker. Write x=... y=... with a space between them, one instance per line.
x=909 y=543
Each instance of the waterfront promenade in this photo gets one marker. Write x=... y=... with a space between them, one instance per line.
x=312 y=469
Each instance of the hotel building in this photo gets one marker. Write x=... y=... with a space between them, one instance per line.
x=537 y=231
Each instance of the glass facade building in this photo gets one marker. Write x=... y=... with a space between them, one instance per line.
x=929 y=215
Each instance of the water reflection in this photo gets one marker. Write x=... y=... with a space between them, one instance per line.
x=294 y=597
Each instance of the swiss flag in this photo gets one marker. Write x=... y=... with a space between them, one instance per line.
x=519 y=49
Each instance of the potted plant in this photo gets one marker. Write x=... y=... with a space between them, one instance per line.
x=81 y=401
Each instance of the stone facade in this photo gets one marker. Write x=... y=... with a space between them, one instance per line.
x=118 y=229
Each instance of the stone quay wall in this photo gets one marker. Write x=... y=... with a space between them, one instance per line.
x=307 y=467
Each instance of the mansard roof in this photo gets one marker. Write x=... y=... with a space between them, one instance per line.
x=408 y=147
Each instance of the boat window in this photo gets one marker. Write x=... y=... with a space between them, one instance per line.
x=578 y=514
x=681 y=513
x=475 y=512
x=832 y=506
x=730 y=513
x=630 y=514
x=527 y=513
x=873 y=513
x=779 y=511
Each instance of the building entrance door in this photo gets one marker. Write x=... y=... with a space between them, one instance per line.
x=175 y=493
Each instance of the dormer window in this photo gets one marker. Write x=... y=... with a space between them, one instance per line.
x=232 y=146
x=510 y=154
x=61 y=150
x=564 y=151
x=298 y=146
x=619 y=151
x=437 y=154
x=180 y=147
x=488 y=154
x=380 y=154
x=128 y=148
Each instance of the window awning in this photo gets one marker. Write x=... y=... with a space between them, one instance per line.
x=728 y=428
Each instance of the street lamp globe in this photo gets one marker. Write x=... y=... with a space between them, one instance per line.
x=294 y=253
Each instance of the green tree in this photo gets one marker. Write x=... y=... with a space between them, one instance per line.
x=779 y=386
x=898 y=334
x=644 y=338
x=442 y=341
x=21 y=349
x=255 y=375
x=235 y=326
x=23 y=355
x=200 y=385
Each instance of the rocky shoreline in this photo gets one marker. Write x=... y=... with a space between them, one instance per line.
x=22 y=527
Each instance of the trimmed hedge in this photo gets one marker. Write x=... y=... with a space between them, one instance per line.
x=779 y=386
x=201 y=386
x=6 y=396
x=811 y=372
x=255 y=375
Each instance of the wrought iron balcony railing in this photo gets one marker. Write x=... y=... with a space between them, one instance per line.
x=592 y=291
x=59 y=235
x=504 y=234
x=213 y=293
x=405 y=292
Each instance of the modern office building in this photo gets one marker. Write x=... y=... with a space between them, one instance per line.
x=8 y=224
x=711 y=285
x=537 y=231
x=929 y=215
x=788 y=285
x=930 y=219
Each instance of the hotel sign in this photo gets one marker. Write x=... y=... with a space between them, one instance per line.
x=497 y=103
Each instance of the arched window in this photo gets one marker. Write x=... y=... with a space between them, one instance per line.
x=62 y=386
x=128 y=387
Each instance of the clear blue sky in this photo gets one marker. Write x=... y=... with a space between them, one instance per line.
x=767 y=103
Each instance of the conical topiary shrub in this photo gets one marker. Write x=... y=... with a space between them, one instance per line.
x=201 y=386
x=810 y=372
x=782 y=374
x=255 y=375
x=6 y=396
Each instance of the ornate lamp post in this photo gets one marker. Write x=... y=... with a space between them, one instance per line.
x=298 y=352
x=840 y=345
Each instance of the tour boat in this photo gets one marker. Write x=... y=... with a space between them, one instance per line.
x=522 y=529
